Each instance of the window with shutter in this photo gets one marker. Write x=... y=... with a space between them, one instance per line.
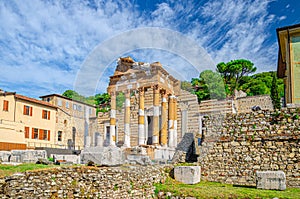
x=32 y=134
x=41 y=134
x=35 y=133
x=27 y=110
x=46 y=114
x=48 y=135
x=26 y=131
x=5 y=105
x=45 y=133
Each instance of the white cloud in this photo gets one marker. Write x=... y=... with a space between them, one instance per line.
x=44 y=43
x=282 y=18
x=239 y=29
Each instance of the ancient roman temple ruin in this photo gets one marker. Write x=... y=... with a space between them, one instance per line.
x=148 y=109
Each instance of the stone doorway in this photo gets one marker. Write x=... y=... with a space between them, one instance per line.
x=149 y=129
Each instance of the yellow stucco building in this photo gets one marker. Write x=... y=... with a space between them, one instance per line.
x=289 y=62
x=25 y=122
x=53 y=122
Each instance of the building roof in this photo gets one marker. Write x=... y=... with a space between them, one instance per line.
x=64 y=97
x=282 y=33
x=29 y=99
x=34 y=100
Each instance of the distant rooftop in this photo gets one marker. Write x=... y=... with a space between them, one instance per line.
x=29 y=99
x=61 y=96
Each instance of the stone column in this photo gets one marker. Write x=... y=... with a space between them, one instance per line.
x=164 y=119
x=155 y=137
x=99 y=140
x=171 y=121
x=175 y=122
x=141 y=120
x=112 y=130
x=127 y=119
x=87 y=141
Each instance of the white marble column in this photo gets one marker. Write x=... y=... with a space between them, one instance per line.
x=171 y=137
x=112 y=130
x=155 y=135
x=141 y=119
x=127 y=119
x=175 y=122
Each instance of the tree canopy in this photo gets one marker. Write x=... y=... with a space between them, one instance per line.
x=274 y=93
x=209 y=85
x=102 y=102
x=230 y=76
x=233 y=71
x=261 y=84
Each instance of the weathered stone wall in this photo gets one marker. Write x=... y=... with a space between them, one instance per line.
x=83 y=182
x=245 y=104
x=235 y=146
x=215 y=106
x=239 y=105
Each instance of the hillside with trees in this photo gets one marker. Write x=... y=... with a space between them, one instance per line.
x=236 y=74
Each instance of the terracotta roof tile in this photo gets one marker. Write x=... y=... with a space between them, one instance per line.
x=34 y=100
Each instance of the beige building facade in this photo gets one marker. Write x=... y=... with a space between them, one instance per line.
x=74 y=121
x=53 y=122
x=25 y=122
x=289 y=62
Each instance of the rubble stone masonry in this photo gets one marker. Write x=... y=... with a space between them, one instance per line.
x=236 y=145
x=83 y=182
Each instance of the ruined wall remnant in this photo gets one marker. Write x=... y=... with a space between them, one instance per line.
x=83 y=182
x=242 y=144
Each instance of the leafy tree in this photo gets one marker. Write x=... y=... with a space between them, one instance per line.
x=76 y=96
x=103 y=102
x=260 y=84
x=90 y=100
x=275 y=94
x=120 y=100
x=200 y=89
x=209 y=86
x=71 y=94
x=233 y=71
x=255 y=87
x=187 y=86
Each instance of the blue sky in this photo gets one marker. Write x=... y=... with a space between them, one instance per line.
x=43 y=44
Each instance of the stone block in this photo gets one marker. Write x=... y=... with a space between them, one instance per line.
x=138 y=159
x=187 y=174
x=75 y=159
x=5 y=156
x=108 y=156
x=163 y=153
x=270 y=180
x=27 y=155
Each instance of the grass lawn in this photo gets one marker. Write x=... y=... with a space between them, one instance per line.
x=206 y=189
x=6 y=170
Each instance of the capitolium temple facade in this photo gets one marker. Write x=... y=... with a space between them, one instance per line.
x=147 y=107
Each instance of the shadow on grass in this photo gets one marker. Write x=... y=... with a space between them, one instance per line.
x=244 y=186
